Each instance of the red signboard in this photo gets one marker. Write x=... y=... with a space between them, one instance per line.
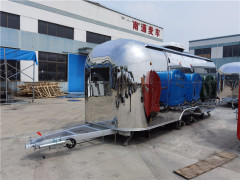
x=143 y=28
x=157 y=32
x=146 y=29
x=150 y=30
x=135 y=25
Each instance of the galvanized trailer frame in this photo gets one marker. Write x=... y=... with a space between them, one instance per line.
x=69 y=136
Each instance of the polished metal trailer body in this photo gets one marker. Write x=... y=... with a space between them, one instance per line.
x=123 y=72
x=228 y=83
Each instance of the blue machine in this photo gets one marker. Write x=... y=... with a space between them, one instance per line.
x=194 y=86
x=173 y=85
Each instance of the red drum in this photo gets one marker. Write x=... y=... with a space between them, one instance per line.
x=151 y=93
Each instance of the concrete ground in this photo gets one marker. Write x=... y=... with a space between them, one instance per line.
x=154 y=158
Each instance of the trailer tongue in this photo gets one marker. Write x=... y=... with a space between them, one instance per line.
x=70 y=136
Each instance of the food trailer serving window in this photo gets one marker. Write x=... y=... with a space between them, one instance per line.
x=100 y=74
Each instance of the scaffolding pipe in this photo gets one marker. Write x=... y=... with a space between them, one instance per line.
x=33 y=80
x=238 y=123
x=6 y=77
x=17 y=72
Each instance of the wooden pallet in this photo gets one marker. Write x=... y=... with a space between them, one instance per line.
x=205 y=165
x=41 y=90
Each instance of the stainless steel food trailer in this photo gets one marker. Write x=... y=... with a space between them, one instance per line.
x=228 y=83
x=125 y=91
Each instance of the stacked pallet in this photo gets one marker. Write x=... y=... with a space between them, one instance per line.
x=41 y=90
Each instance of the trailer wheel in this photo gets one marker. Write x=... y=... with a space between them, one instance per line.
x=71 y=144
x=147 y=135
x=117 y=103
x=125 y=143
x=188 y=120
x=128 y=138
x=178 y=125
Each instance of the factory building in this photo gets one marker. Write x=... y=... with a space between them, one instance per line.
x=62 y=33
x=221 y=50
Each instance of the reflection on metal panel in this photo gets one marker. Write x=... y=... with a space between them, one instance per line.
x=121 y=85
x=228 y=83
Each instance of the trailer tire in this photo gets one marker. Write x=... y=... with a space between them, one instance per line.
x=178 y=125
x=147 y=135
x=188 y=120
x=72 y=144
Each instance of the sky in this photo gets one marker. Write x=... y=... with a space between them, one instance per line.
x=184 y=21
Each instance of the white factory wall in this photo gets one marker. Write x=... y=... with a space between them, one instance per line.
x=217 y=52
x=217 y=45
x=28 y=66
x=97 y=13
x=28 y=24
x=80 y=35
x=97 y=19
x=214 y=41
x=191 y=51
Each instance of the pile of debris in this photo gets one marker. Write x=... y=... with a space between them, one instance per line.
x=41 y=90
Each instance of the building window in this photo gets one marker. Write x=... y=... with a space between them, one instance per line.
x=204 y=52
x=55 y=30
x=9 y=20
x=231 y=51
x=97 y=38
x=52 y=66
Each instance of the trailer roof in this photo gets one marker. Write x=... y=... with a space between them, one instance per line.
x=160 y=48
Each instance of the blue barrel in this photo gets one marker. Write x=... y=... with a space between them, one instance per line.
x=194 y=86
x=173 y=85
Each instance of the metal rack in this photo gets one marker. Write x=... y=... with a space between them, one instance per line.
x=7 y=79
